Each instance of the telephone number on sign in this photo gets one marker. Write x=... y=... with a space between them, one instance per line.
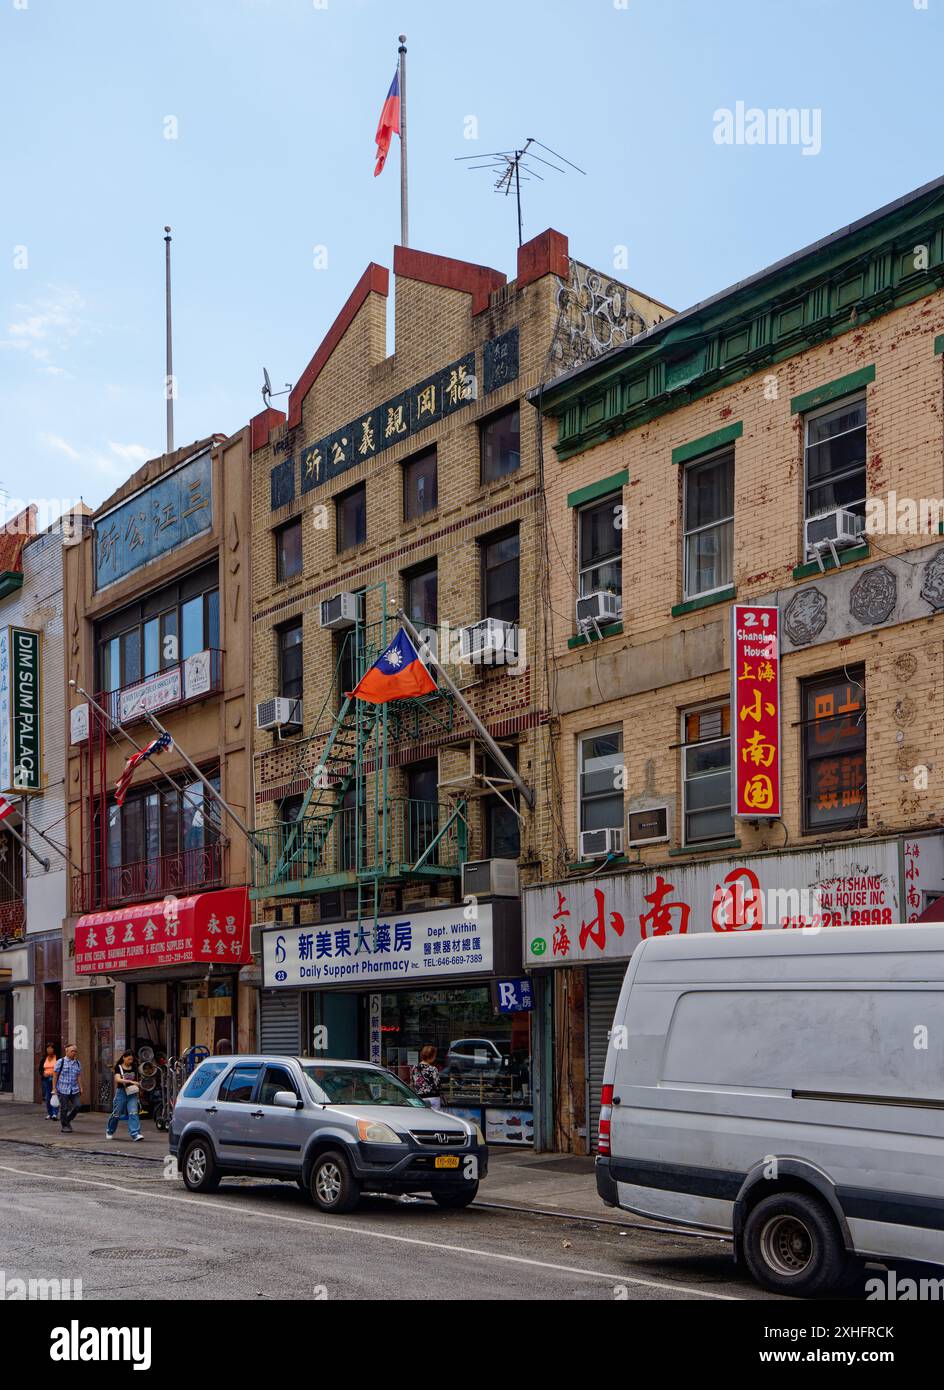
x=865 y=917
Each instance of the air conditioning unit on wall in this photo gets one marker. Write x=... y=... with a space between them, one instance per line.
x=490 y=878
x=341 y=611
x=279 y=713
x=492 y=642
x=647 y=827
x=601 y=607
x=837 y=528
x=599 y=844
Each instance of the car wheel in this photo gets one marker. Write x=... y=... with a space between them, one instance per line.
x=454 y=1197
x=791 y=1245
x=198 y=1167
x=332 y=1187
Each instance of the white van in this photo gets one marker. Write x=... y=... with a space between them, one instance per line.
x=785 y=1088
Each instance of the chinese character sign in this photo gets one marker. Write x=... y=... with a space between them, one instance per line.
x=205 y=927
x=755 y=711
x=157 y=519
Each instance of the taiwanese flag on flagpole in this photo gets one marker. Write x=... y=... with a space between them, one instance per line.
x=398 y=674
x=157 y=745
x=389 y=123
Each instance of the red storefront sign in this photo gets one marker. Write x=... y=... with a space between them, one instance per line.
x=755 y=711
x=206 y=927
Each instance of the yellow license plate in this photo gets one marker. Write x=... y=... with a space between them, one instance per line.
x=447 y=1161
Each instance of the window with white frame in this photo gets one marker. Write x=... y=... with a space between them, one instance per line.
x=600 y=546
x=708 y=508
x=834 y=459
x=706 y=774
x=600 y=769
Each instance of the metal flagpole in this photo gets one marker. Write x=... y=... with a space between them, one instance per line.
x=169 y=376
x=404 y=208
x=29 y=850
x=511 y=773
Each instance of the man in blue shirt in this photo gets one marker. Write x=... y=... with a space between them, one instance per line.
x=68 y=1086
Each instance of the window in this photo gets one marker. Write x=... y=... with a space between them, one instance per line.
x=422 y=593
x=349 y=654
x=502 y=827
x=159 y=631
x=422 y=808
x=600 y=768
x=709 y=524
x=420 y=485
x=500 y=444
x=834 y=769
x=600 y=547
x=288 y=550
x=351 y=513
x=275 y=1079
x=500 y=555
x=834 y=458
x=240 y=1084
x=289 y=808
x=289 y=640
x=706 y=774
x=203 y=1079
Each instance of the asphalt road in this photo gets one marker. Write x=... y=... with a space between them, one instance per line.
x=126 y=1230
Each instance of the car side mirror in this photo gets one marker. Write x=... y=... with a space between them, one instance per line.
x=288 y=1099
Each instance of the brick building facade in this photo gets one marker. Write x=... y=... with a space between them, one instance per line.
x=681 y=472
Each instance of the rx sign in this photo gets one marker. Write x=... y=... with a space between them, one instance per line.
x=514 y=996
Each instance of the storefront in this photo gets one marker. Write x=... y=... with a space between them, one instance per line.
x=170 y=977
x=436 y=979
x=589 y=928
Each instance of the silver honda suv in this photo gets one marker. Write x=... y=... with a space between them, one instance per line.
x=336 y=1128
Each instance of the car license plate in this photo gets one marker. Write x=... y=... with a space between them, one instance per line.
x=447 y=1161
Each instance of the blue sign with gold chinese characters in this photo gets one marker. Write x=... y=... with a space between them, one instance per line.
x=397 y=419
x=157 y=519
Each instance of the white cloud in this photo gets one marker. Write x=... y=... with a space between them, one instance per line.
x=117 y=463
x=46 y=327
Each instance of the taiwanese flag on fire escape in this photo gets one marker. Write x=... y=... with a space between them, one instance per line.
x=398 y=674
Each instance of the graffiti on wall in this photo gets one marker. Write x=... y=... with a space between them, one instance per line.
x=594 y=314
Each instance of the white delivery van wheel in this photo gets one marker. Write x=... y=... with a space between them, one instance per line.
x=791 y=1245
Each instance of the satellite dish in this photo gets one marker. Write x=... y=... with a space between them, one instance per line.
x=267 y=392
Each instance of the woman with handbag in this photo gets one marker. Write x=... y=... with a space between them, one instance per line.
x=126 y=1098
x=47 y=1076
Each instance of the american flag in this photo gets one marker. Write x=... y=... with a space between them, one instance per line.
x=157 y=745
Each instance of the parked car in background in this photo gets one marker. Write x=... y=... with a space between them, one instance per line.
x=337 y=1128
x=787 y=1089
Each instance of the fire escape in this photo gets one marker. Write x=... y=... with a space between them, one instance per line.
x=350 y=832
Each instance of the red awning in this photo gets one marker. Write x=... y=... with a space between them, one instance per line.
x=206 y=927
x=934 y=912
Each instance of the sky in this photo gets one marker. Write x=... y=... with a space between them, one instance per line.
x=248 y=126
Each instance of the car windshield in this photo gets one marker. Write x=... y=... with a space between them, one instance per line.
x=358 y=1086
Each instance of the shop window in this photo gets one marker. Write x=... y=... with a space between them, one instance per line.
x=420 y=485
x=289 y=642
x=500 y=444
x=709 y=524
x=834 y=458
x=239 y=1085
x=834 y=765
x=288 y=550
x=706 y=774
x=600 y=772
x=500 y=556
x=600 y=547
x=351 y=517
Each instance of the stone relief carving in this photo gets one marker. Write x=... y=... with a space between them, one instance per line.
x=874 y=595
x=932 y=589
x=805 y=616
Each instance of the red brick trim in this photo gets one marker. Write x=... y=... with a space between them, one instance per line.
x=547 y=254
x=375 y=280
x=477 y=280
x=261 y=425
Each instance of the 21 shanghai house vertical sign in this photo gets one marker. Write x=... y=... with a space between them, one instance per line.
x=755 y=711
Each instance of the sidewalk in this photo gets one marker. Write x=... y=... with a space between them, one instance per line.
x=559 y=1183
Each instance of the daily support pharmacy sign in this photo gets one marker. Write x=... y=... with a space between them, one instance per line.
x=20 y=710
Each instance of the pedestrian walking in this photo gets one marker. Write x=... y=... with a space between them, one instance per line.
x=126 y=1104
x=67 y=1085
x=47 y=1076
x=424 y=1076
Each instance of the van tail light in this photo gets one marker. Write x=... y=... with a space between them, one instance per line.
x=606 y=1112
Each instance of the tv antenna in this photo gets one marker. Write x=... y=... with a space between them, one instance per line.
x=515 y=167
x=267 y=393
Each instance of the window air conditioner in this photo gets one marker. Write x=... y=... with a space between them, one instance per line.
x=489 y=643
x=280 y=713
x=597 y=844
x=839 y=528
x=600 y=607
x=490 y=878
x=340 y=612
